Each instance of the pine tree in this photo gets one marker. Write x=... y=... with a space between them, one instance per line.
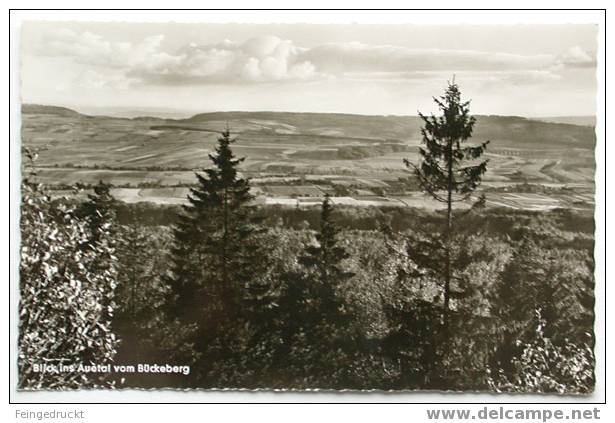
x=317 y=326
x=449 y=170
x=324 y=260
x=214 y=256
x=210 y=232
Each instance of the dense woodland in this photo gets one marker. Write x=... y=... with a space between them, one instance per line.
x=328 y=298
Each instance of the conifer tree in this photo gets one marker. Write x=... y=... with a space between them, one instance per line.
x=317 y=325
x=213 y=225
x=324 y=260
x=215 y=257
x=449 y=170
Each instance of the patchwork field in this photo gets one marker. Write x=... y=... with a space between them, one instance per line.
x=295 y=158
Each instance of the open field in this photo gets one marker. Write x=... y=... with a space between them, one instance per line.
x=515 y=201
x=295 y=158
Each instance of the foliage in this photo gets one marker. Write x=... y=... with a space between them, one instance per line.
x=448 y=166
x=144 y=329
x=315 y=325
x=98 y=211
x=424 y=351
x=447 y=163
x=214 y=262
x=558 y=282
x=139 y=269
x=67 y=283
x=547 y=367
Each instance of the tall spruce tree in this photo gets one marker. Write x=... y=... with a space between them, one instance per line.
x=209 y=234
x=324 y=260
x=449 y=170
x=214 y=256
x=318 y=334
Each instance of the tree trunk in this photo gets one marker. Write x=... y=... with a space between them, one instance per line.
x=225 y=240
x=449 y=225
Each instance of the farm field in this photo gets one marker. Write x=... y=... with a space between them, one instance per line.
x=295 y=158
x=515 y=201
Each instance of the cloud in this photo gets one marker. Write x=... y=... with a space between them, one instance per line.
x=576 y=57
x=91 y=49
x=358 y=57
x=260 y=59
x=91 y=79
x=530 y=77
x=271 y=59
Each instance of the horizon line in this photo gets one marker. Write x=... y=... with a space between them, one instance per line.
x=194 y=112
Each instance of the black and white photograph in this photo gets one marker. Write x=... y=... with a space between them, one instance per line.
x=356 y=207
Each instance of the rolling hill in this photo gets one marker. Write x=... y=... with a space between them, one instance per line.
x=342 y=148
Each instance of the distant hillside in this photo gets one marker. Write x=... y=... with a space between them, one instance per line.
x=159 y=152
x=139 y=112
x=573 y=120
x=48 y=110
x=509 y=131
x=504 y=131
x=523 y=132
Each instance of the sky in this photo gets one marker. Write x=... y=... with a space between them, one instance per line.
x=394 y=69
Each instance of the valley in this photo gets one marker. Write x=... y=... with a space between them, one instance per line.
x=294 y=159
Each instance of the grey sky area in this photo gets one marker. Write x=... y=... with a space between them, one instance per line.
x=526 y=70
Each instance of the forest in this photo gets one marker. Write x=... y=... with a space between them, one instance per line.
x=334 y=297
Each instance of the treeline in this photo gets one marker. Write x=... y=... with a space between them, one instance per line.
x=149 y=168
x=352 y=152
x=500 y=221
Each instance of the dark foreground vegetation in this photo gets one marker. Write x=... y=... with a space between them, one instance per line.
x=325 y=298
